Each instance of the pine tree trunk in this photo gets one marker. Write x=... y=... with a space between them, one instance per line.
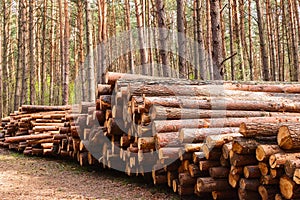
x=90 y=57
x=43 y=52
x=181 y=38
x=62 y=48
x=263 y=48
x=250 y=41
x=141 y=35
x=66 y=55
x=161 y=16
x=217 y=54
x=294 y=38
x=5 y=55
x=32 y=52
x=19 y=61
x=80 y=10
x=232 y=65
x=52 y=51
x=209 y=41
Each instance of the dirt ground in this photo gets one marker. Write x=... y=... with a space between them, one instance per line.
x=48 y=178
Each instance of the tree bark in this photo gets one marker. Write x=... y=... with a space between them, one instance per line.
x=163 y=35
x=217 y=54
x=289 y=137
x=263 y=48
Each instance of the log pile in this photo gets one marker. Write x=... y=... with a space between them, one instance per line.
x=34 y=130
x=215 y=140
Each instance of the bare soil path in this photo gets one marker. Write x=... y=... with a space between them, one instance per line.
x=48 y=178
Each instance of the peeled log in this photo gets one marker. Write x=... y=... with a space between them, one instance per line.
x=264 y=151
x=35 y=108
x=279 y=159
x=167 y=140
x=217 y=141
x=175 y=125
x=293 y=88
x=163 y=113
x=289 y=137
x=27 y=137
x=198 y=135
x=210 y=184
x=288 y=188
x=168 y=153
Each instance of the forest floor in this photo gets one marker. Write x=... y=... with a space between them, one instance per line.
x=48 y=178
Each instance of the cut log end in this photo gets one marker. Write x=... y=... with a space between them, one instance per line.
x=284 y=139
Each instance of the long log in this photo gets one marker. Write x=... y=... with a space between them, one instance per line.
x=199 y=90
x=176 y=125
x=217 y=141
x=250 y=129
x=103 y=89
x=289 y=137
x=35 y=108
x=277 y=88
x=249 y=184
x=279 y=159
x=198 y=135
x=162 y=113
x=27 y=137
x=252 y=171
x=167 y=140
x=239 y=160
x=288 y=188
x=264 y=151
x=244 y=146
x=210 y=184
x=219 y=172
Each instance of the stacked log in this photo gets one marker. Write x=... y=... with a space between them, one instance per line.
x=34 y=130
x=216 y=140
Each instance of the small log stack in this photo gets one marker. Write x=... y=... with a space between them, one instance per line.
x=215 y=140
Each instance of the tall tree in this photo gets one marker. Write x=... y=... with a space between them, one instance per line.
x=263 y=47
x=200 y=40
x=163 y=35
x=295 y=44
x=141 y=34
x=217 y=54
x=43 y=52
x=181 y=38
x=128 y=28
x=5 y=55
x=66 y=54
x=250 y=58
x=62 y=48
x=232 y=59
x=90 y=56
x=209 y=40
x=32 y=51
x=19 y=61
